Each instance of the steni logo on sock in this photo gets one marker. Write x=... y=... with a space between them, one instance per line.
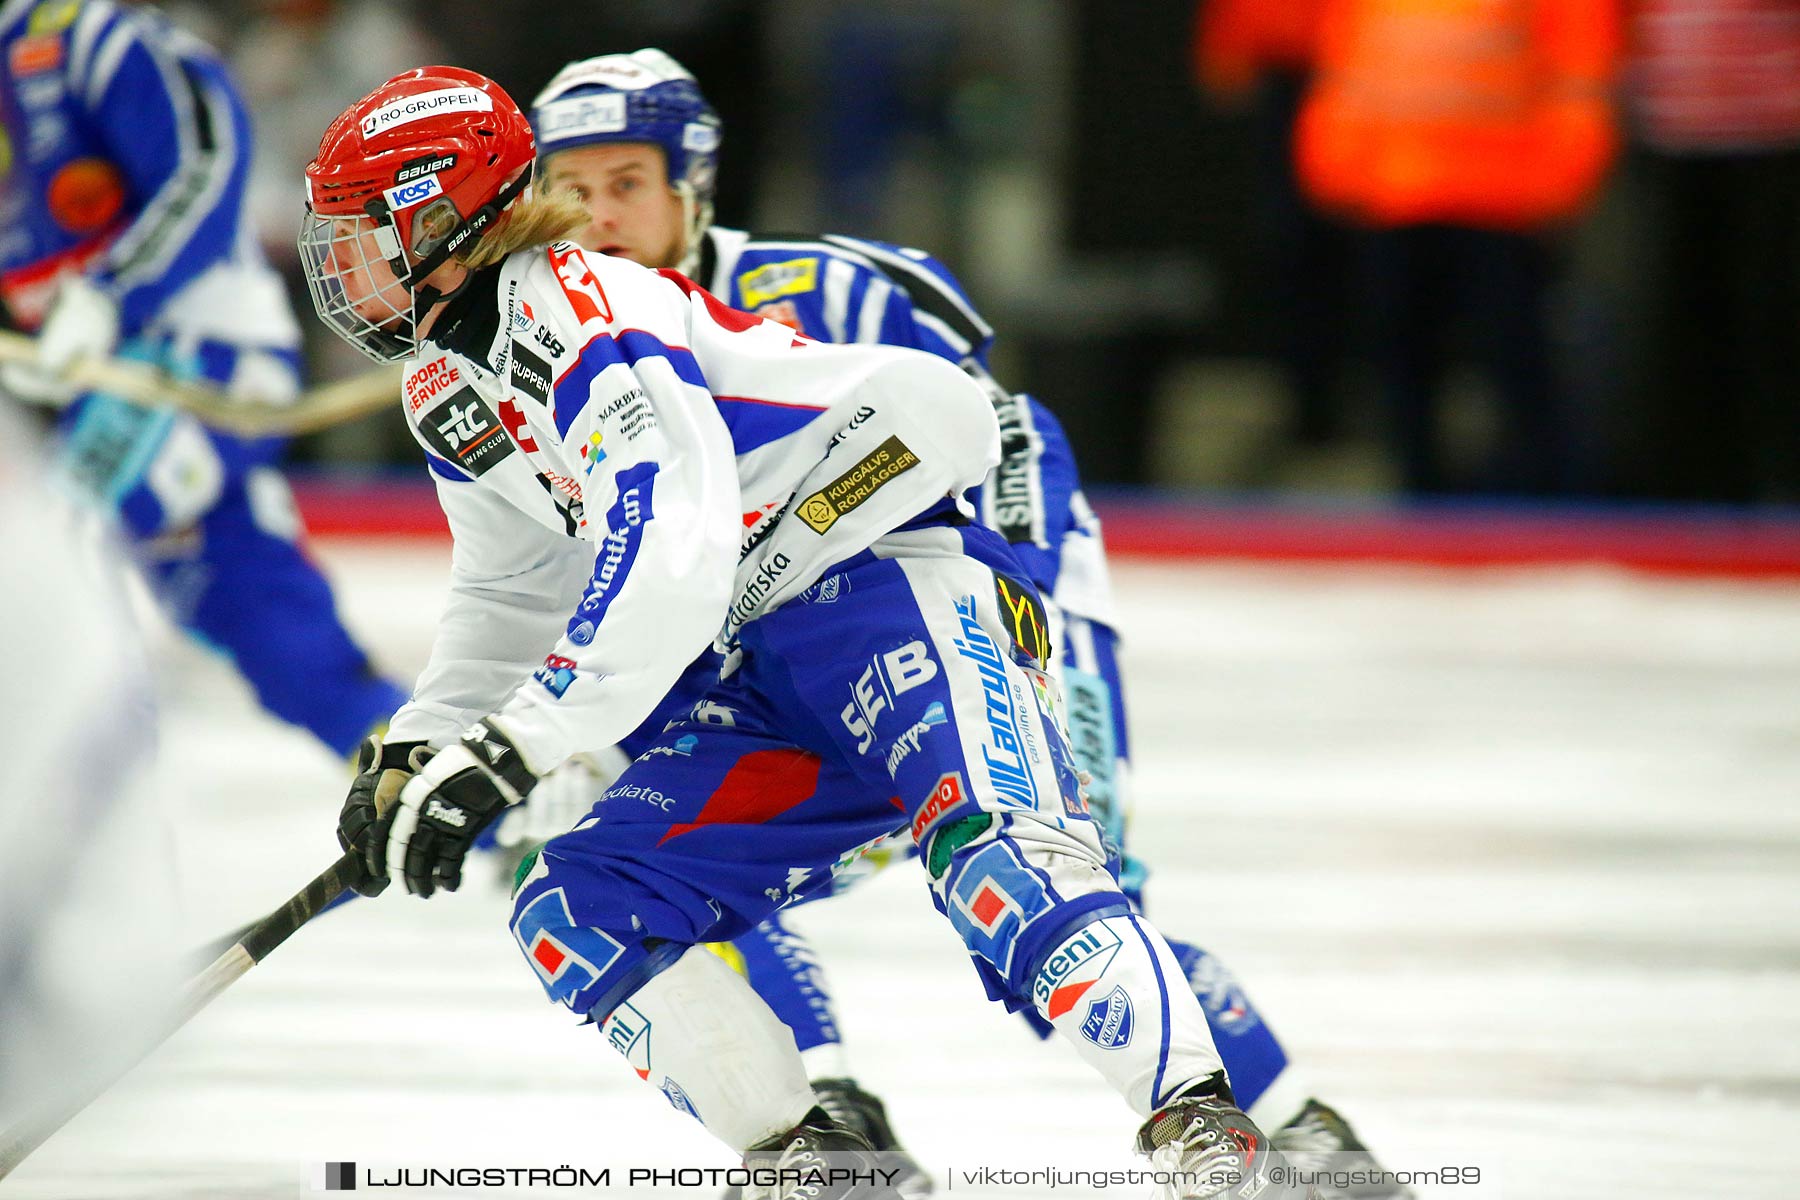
x=1073 y=968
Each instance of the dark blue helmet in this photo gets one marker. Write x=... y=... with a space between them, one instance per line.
x=645 y=96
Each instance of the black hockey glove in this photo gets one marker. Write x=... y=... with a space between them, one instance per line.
x=382 y=769
x=444 y=808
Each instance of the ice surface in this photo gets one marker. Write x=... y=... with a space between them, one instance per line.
x=1508 y=858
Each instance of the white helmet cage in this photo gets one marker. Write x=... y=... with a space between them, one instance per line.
x=357 y=276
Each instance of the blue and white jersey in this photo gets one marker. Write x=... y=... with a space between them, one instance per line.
x=844 y=289
x=633 y=471
x=125 y=150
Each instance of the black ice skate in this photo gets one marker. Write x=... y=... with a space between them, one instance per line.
x=1320 y=1143
x=863 y=1114
x=1211 y=1149
x=817 y=1159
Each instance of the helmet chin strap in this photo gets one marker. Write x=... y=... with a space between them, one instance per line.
x=696 y=219
x=426 y=297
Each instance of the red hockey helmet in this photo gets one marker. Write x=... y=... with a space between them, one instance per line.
x=403 y=179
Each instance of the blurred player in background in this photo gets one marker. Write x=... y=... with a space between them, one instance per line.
x=125 y=151
x=634 y=139
x=631 y=471
x=88 y=905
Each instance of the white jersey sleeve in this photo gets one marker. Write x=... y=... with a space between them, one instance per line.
x=661 y=491
x=837 y=444
x=510 y=583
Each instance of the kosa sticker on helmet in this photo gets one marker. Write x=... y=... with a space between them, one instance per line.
x=416 y=192
x=426 y=104
x=581 y=114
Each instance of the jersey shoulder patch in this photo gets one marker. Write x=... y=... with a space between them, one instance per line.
x=580 y=284
x=772 y=280
x=462 y=429
x=792 y=279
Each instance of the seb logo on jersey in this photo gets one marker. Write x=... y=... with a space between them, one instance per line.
x=887 y=677
x=584 y=293
x=464 y=430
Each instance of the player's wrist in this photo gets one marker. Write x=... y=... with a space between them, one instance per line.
x=541 y=744
x=490 y=746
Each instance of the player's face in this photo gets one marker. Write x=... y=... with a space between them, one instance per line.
x=633 y=212
x=371 y=289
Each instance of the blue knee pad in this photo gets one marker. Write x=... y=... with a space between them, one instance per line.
x=586 y=969
x=1006 y=911
x=581 y=966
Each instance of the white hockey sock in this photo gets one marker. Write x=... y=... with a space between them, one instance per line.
x=826 y=1061
x=1115 y=991
x=699 y=1034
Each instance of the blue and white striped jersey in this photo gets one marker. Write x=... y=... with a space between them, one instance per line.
x=844 y=289
x=124 y=150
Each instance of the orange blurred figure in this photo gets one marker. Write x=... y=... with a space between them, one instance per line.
x=1493 y=114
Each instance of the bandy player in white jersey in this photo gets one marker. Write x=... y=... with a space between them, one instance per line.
x=632 y=137
x=685 y=474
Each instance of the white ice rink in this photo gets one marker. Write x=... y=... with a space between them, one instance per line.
x=1509 y=859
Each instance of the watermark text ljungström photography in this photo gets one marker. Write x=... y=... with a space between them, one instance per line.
x=1471 y=1176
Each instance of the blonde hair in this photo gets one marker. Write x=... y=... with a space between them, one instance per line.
x=535 y=219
